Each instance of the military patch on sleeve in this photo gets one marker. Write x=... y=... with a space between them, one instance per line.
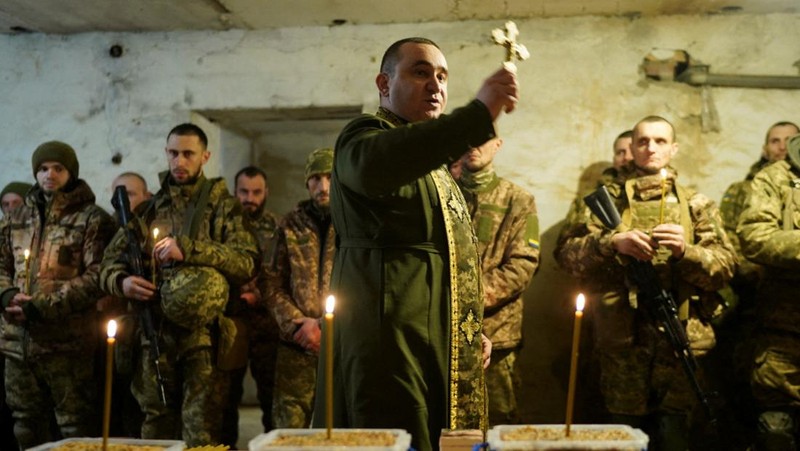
x=532 y=231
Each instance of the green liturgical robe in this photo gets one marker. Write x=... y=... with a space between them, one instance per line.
x=406 y=277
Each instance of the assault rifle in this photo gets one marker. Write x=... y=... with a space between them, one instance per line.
x=657 y=302
x=122 y=205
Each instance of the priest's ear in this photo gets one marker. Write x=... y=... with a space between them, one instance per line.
x=382 y=82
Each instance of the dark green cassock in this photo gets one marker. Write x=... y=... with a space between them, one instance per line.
x=406 y=278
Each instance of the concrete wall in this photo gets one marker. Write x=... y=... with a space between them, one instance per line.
x=579 y=90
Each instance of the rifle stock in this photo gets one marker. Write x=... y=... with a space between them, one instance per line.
x=121 y=204
x=658 y=303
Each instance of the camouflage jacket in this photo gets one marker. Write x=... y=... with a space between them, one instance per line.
x=731 y=209
x=507 y=226
x=66 y=236
x=707 y=265
x=223 y=242
x=769 y=229
x=299 y=273
x=262 y=323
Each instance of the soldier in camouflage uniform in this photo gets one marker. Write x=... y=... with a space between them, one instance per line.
x=49 y=300
x=769 y=229
x=507 y=226
x=748 y=274
x=252 y=190
x=12 y=196
x=297 y=281
x=196 y=257
x=734 y=344
x=642 y=382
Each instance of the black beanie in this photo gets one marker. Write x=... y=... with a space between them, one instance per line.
x=18 y=188
x=59 y=152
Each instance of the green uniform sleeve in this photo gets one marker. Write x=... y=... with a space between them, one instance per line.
x=373 y=158
x=277 y=278
x=763 y=237
x=709 y=262
x=505 y=282
x=234 y=255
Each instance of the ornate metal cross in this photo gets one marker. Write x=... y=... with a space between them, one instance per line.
x=508 y=39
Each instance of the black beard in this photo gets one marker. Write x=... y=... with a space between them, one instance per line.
x=190 y=181
x=254 y=214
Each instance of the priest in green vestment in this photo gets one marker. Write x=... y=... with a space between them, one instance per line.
x=406 y=276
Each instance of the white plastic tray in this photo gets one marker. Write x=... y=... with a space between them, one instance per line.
x=262 y=441
x=637 y=443
x=168 y=445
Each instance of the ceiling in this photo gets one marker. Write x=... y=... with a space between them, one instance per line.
x=78 y=16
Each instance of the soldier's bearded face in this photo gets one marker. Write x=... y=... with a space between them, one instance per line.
x=319 y=187
x=252 y=192
x=52 y=176
x=186 y=156
x=417 y=89
x=653 y=146
x=775 y=147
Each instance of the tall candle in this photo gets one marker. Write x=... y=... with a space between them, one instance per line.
x=153 y=261
x=573 y=367
x=27 y=254
x=329 y=303
x=663 y=195
x=112 y=332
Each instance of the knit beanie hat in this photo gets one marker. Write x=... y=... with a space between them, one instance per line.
x=319 y=162
x=59 y=152
x=18 y=188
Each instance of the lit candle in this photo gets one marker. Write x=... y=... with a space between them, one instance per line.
x=112 y=331
x=329 y=303
x=573 y=367
x=27 y=254
x=153 y=261
x=663 y=195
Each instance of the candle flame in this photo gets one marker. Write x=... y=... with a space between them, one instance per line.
x=580 y=302
x=329 y=302
x=112 y=329
x=663 y=174
x=27 y=254
x=155 y=233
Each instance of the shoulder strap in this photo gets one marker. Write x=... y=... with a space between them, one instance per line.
x=686 y=218
x=194 y=212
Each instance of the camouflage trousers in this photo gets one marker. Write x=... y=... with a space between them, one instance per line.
x=502 y=384
x=58 y=383
x=643 y=379
x=295 y=383
x=775 y=379
x=195 y=389
x=262 y=355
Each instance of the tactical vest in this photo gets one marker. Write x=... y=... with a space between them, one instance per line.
x=646 y=214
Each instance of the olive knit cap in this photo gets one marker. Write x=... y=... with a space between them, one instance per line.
x=320 y=161
x=18 y=188
x=60 y=153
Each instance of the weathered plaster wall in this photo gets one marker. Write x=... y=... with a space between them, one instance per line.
x=579 y=90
